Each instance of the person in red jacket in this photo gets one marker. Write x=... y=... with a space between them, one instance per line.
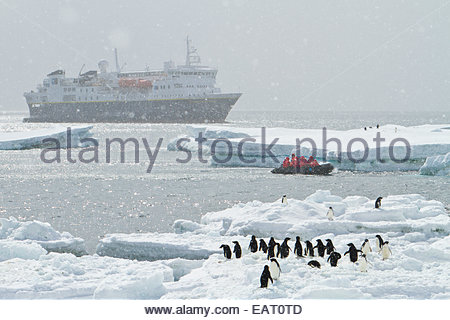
x=294 y=161
x=311 y=159
x=303 y=161
x=286 y=162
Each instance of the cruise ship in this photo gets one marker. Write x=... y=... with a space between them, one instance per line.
x=176 y=94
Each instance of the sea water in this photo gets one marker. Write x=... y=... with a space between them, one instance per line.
x=91 y=200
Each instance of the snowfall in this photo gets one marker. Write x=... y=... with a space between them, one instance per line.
x=188 y=263
x=35 y=138
x=425 y=141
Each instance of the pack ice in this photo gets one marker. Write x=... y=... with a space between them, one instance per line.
x=34 y=138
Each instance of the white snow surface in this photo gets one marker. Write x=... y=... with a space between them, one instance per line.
x=42 y=234
x=34 y=138
x=189 y=263
x=425 y=141
x=436 y=166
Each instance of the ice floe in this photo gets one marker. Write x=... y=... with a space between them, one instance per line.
x=34 y=138
x=424 y=141
x=42 y=234
x=436 y=166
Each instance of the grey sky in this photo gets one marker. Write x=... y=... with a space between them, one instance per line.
x=283 y=55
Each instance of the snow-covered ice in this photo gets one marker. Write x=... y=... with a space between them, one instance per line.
x=436 y=166
x=34 y=138
x=425 y=141
x=42 y=234
x=189 y=264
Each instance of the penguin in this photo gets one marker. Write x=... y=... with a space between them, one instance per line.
x=314 y=264
x=378 y=202
x=385 y=250
x=333 y=258
x=330 y=247
x=284 y=200
x=253 y=246
x=226 y=251
x=262 y=245
x=237 y=249
x=379 y=242
x=284 y=248
x=309 y=251
x=330 y=214
x=271 y=241
x=320 y=248
x=298 y=249
x=265 y=276
x=271 y=250
x=365 y=247
x=277 y=245
x=363 y=263
x=275 y=269
x=353 y=252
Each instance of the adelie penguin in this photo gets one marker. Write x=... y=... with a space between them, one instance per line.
x=320 y=248
x=385 y=250
x=330 y=214
x=253 y=246
x=284 y=200
x=378 y=202
x=275 y=269
x=226 y=251
x=298 y=249
x=271 y=241
x=378 y=242
x=237 y=249
x=363 y=263
x=365 y=247
x=271 y=251
x=314 y=264
x=329 y=246
x=309 y=251
x=333 y=258
x=284 y=248
x=353 y=252
x=262 y=245
x=265 y=276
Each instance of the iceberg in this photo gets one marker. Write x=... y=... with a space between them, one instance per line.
x=34 y=138
x=436 y=166
x=42 y=234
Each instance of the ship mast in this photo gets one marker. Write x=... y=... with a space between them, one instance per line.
x=191 y=53
x=117 y=60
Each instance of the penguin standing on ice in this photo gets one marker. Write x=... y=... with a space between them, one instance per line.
x=320 y=248
x=262 y=245
x=275 y=269
x=385 y=250
x=378 y=202
x=271 y=250
x=253 y=246
x=237 y=249
x=314 y=264
x=333 y=258
x=365 y=247
x=284 y=249
x=330 y=214
x=379 y=242
x=329 y=246
x=363 y=263
x=353 y=252
x=277 y=245
x=309 y=251
x=298 y=249
x=271 y=241
x=226 y=251
x=284 y=200
x=265 y=276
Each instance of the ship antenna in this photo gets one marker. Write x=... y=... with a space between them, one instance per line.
x=117 y=60
x=82 y=67
x=187 y=52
